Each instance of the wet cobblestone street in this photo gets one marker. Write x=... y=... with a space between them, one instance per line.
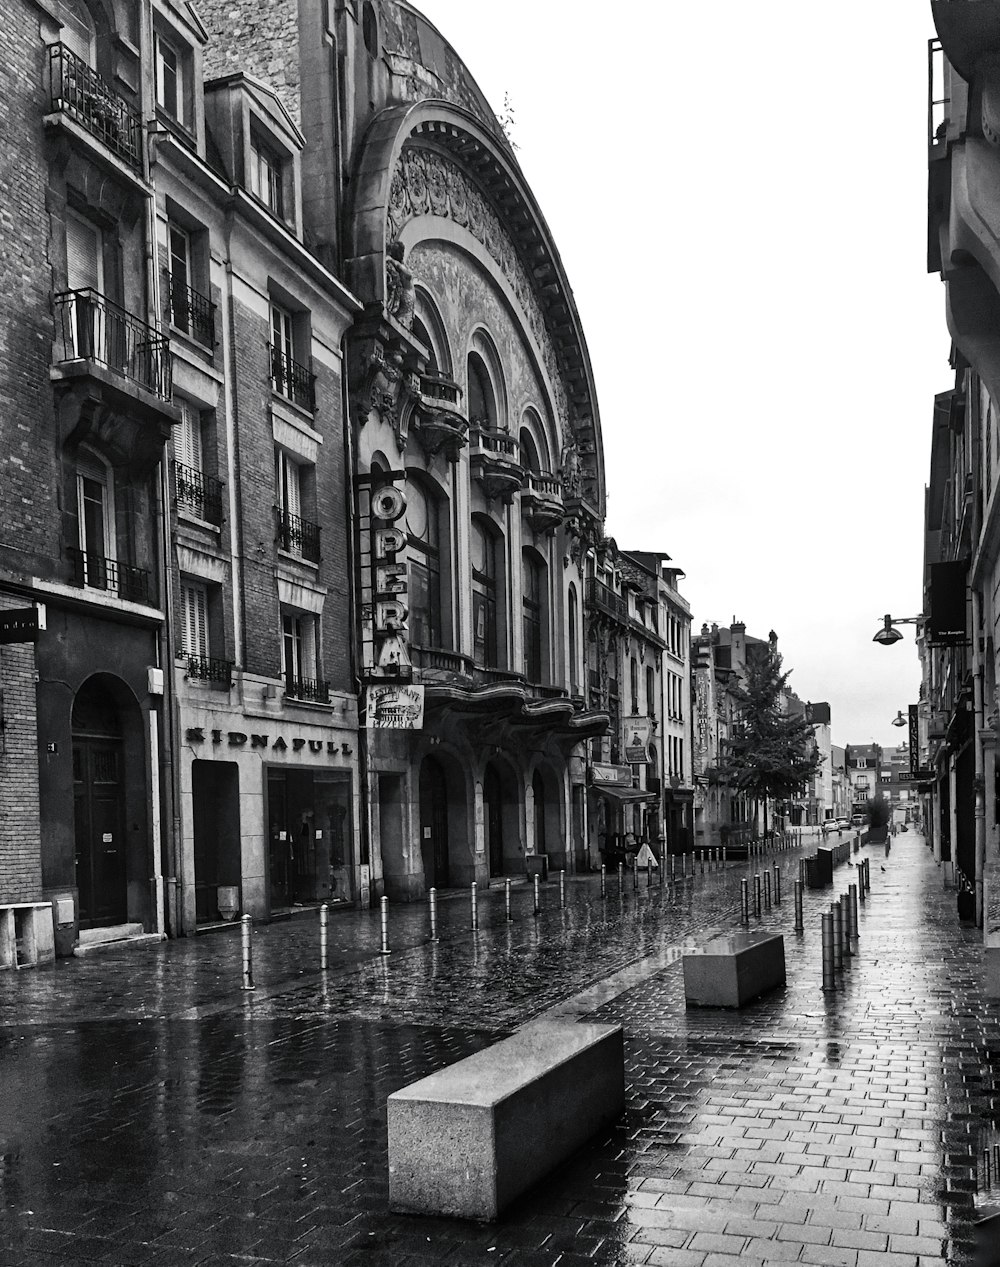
x=151 y=1113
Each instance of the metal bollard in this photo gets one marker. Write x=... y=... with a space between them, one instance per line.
x=756 y=895
x=852 y=890
x=604 y=880
x=324 y=917
x=799 y=925
x=844 y=902
x=384 y=948
x=868 y=874
x=433 y=896
x=838 y=935
x=562 y=888
x=745 y=900
x=635 y=876
x=777 y=885
x=724 y=857
x=861 y=884
x=538 y=894
x=829 y=958
x=246 y=940
x=475 y=907
x=661 y=868
x=621 y=877
x=506 y=901
x=767 y=889
x=701 y=860
x=673 y=860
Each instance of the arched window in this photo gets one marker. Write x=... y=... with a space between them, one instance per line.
x=369 y=29
x=430 y=330
x=529 y=452
x=574 y=642
x=534 y=445
x=532 y=617
x=423 y=527
x=486 y=394
x=421 y=332
x=485 y=641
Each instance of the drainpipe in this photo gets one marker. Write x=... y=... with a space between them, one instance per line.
x=980 y=780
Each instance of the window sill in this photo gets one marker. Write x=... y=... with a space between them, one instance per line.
x=196 y=521
x=297 y=411
x=286 y=556
x=191 y=343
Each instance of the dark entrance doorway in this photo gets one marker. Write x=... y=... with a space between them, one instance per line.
x=538 y=793
x=493 y=816
x=215 y=801
x=99 y=808
x=434 y=823
x=309 y=817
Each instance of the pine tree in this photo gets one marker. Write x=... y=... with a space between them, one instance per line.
x=771 y=753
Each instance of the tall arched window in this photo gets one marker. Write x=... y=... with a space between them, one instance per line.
x=77 y=31
x=482 y=402
x=485 y=640
x=423 y=527
x=574 y=642
x=529 y=452
x=532 y=617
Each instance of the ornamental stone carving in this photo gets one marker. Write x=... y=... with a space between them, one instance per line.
x=424 y=183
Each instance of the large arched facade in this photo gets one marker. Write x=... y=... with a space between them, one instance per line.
x=470 y=369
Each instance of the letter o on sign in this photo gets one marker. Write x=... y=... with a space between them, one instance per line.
x=388 y=503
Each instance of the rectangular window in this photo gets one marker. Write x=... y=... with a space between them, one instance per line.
x=288 y=483
x=266 y=177
x=179 y=244
x=84 y=254
x=169 y=79
x=300 y=657
x=194 y=615
x=188 y=438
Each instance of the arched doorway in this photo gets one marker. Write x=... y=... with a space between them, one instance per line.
x=99 y=785
x=493 y=819
x=434 y=823
x=538 y=792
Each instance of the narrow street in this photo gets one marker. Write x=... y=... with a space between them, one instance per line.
x=154 y=1114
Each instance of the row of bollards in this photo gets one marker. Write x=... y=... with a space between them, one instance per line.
x=843 y=916
x=840 y=933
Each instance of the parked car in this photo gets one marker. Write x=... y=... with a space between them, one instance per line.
x=859 y=820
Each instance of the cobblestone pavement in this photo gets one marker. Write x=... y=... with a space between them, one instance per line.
x=151 y=1113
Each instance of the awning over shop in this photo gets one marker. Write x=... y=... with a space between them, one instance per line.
x=622 y=793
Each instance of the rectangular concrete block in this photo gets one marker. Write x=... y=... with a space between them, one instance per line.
x=467 y=1140
x=733 y=970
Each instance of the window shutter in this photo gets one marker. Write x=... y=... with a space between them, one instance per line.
x=194 y=631
x=188 y=439
x=83 y=254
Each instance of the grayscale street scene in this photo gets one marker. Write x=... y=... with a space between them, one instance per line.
x=499 y=591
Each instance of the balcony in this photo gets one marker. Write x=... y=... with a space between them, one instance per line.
x=292 y=380
x=79 y=93
x=207 y=669
x=541 y=500
x=439 y=422
x=298 y=536
x=191 y=312
x=438 y=660
x=89 y=327
x=96 y=572
x=310 y=690
x=199 y=493
x=495 y=462
x=603 y=599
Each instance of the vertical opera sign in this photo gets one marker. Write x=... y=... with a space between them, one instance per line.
x=382 y=541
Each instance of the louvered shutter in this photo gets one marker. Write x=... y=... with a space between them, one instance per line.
x=194 y=632
x=83 y=254
x=188 y=437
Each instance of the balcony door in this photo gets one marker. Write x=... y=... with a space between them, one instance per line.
x=95 y=508
x=85 y=279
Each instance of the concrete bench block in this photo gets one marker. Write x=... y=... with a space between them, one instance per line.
x=730 y=971
x=467 y=1140
x=27 y=934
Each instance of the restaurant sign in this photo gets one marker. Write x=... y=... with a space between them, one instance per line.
x=611 y=775
x=394 y=707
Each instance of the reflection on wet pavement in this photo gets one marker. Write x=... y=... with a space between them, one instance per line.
x=151 y=1113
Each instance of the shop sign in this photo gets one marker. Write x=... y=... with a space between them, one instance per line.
x=394 y=707
x=384 y=576
x=611 y=775
x=238 y=739
x=22 y=624
x=916 y=776
x=637 y=734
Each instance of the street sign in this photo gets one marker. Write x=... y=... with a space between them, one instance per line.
x=22 y=624
x=916 y=776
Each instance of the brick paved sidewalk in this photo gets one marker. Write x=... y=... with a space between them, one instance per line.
x=151 y=1114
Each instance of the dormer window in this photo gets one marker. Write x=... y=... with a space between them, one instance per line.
x=267 y=176
x=170 y=77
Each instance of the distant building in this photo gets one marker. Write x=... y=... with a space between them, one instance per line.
x=863 y=763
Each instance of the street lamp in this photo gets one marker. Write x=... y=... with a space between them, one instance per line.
x=888 y=634
x=899 y=719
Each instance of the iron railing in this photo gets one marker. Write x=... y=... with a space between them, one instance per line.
x=93 y=328
x=78 y=91
x=313 y=690
x=604 y=599
x=298 y=536
x=200 y=493
x=292 y=380
x=209 y=669
x=95 y=571
x=191 y=312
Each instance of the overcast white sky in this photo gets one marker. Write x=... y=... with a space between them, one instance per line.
x=739 y=196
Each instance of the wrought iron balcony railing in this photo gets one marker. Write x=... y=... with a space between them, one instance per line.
x=78 y=91
x=209 y=669
x=298 y=536
x=91 y=327
x=198 y=492
x=604 y=599
x=94 y=571
x=292 y=380
x=191 y=312
x=313 y=690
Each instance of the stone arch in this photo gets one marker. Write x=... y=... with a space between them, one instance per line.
x=502 y=798
x=444 y=827
x=535 y=443
x=486 y=387
x=387 y=189
x=548 y=811
x=430 y=329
